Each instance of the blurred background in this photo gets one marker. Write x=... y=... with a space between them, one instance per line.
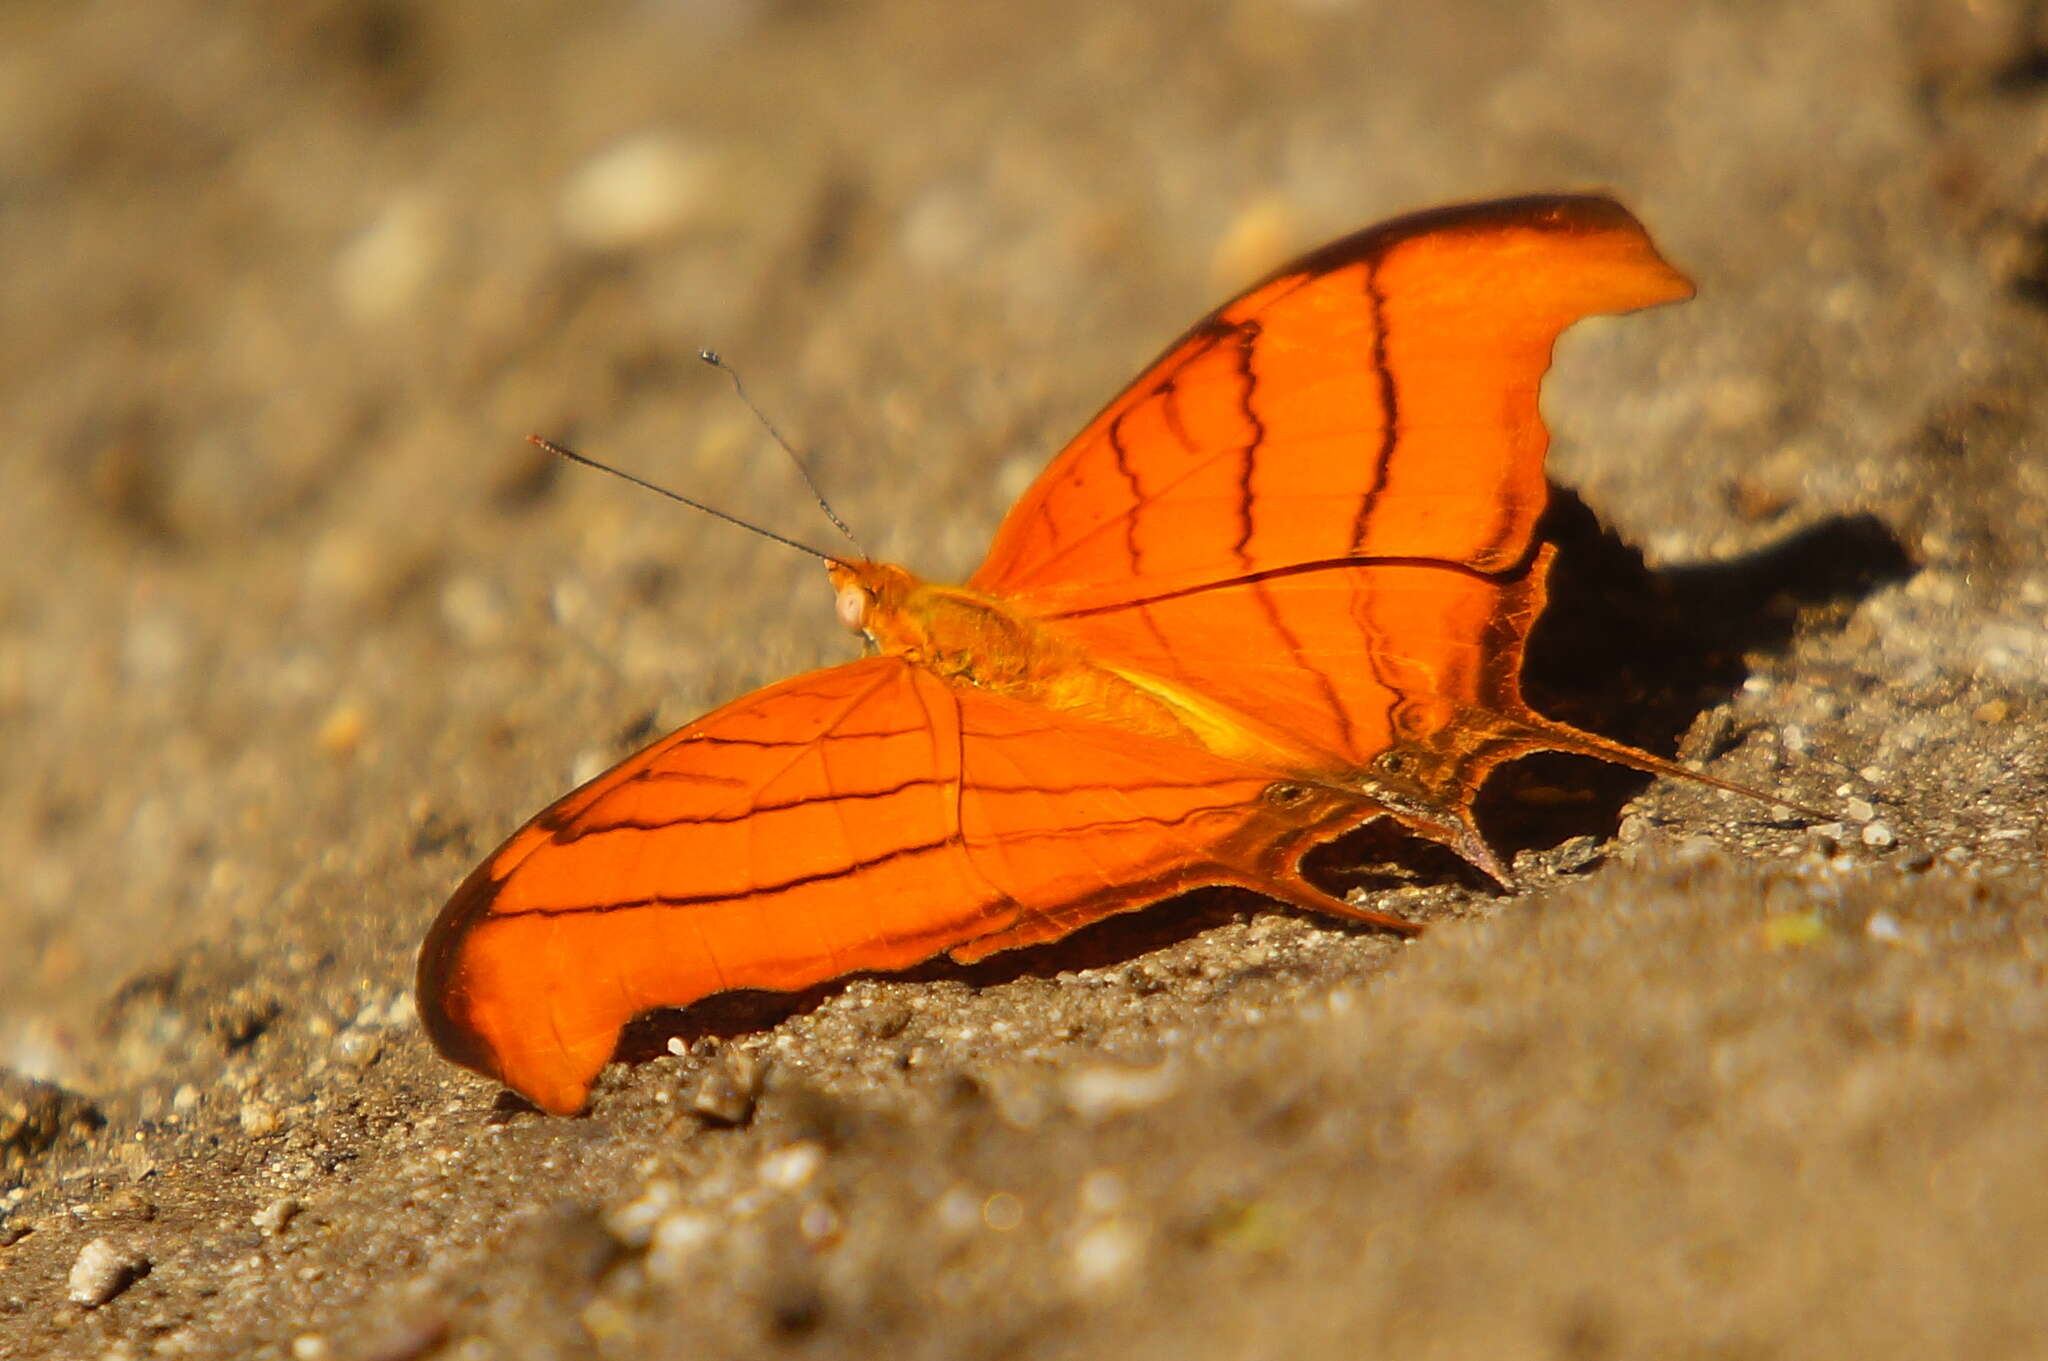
x=293 y=626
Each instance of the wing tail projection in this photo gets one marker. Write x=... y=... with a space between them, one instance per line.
x=1376 y=399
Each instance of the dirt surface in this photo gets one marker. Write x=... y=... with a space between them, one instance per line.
x=293 y=629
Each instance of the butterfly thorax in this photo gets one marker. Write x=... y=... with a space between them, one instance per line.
x=973 y=640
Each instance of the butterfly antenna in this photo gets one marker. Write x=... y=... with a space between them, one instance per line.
x=711 y=357
x=659 y=490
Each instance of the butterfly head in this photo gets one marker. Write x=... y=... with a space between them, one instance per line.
x=868 y=595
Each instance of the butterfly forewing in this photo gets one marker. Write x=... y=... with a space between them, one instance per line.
x=1377 y=398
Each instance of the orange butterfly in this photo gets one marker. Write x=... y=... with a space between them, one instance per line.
x=1277 y=589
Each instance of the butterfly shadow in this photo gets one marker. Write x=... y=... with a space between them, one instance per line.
x=1641 y=654
x=1622 y=650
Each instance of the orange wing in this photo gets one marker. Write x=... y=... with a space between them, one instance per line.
x=859 y=818
x=1376 y=399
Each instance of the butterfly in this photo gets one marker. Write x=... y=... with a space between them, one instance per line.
x=1278 y=589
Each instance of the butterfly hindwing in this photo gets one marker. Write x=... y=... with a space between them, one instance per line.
x=861 y=818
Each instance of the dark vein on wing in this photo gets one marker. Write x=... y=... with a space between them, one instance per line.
x=1085 y=829
x=1248 y=456
x=1390 y=409
x=1123 y=465
x=1502 y=576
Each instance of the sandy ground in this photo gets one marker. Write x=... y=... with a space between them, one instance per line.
x=293 y=629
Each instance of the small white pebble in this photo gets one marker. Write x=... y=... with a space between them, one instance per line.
x=958 y=1210
x=636 y=192
x=1101 y=1092
x=1860 y=810
x=474 y=611
x=634 y=1223
x=1106 y=1255
x=1877 y=834
x=103 y=1271
x=676 y=1239
x=310 y=1347
x=357 y=1048
x=1885 y=927
x=389 y=263
x=792 y=1166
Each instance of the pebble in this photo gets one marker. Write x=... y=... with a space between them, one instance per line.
x=1101 y=1092
x=103 y=1271
x=273 y=1217
x=635 y=1222
x=1877 y=834
x=677 y=1239
x=792 y=1166
x=1106 y=1255
x=357 y=1048
x=474 y=611
x=727 y=1094
x=958 y=1210
x=636 y=192
x=259 y=1118
x=382 y=272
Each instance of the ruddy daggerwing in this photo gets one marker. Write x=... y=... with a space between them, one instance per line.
x=1279 y=588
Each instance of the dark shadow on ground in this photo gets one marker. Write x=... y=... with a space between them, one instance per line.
x=1621 y=650
x=1639 y=655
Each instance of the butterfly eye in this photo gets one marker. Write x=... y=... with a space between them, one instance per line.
x=852 y=604
x=1286 y=795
